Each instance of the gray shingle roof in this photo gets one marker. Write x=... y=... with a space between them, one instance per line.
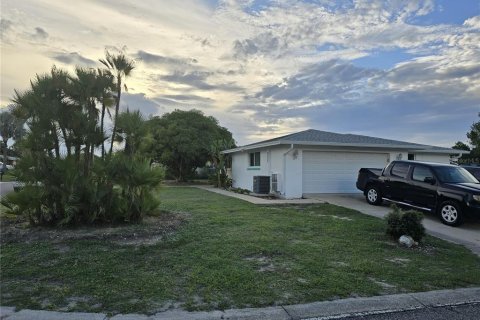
x=317 y=137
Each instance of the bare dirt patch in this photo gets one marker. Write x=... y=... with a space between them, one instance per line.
x=399 y=261
x=387 y=288
x=266 y=264
x=150 y=231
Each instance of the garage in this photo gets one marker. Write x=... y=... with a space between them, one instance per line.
x=314 y=161
x=336 y=172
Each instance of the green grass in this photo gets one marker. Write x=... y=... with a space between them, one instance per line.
x=8 y=177
x=231 y=254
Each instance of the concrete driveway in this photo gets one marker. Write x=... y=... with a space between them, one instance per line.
x=467 y=234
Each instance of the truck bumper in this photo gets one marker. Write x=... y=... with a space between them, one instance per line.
x=472 y=209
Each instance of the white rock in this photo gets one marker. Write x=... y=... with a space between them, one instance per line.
x=406 y=241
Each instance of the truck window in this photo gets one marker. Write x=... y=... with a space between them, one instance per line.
x=420 y=173
x=400 y=170
x=454 y=175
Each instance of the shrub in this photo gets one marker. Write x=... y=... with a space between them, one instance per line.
x=118 y=189
x=405 y=223
x=225 y=181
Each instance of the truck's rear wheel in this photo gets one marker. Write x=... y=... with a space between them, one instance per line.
x=373 y=196
x=450 y=213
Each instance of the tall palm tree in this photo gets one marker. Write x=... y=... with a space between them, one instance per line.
x=106 y=82
x=121 y=67
x=85 y=93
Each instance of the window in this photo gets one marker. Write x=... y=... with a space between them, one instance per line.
x=411 y=156
x=421 y=173
x=400 y=169
x=454 y=175
x=255 y=159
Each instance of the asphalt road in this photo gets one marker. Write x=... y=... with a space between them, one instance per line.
x=460 y=312
x=467 y=234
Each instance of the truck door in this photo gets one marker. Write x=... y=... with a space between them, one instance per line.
x=423 y=189
x=395 y=181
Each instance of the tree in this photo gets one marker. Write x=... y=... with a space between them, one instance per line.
x=132 y=130
x=107 y=82
x=459 y=145
x=183 y=140
x=10 y=128
x=474 y=135
x=120 y=67
x=61 y=112
x=219 y=159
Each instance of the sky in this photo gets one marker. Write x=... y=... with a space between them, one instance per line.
x=405 y=70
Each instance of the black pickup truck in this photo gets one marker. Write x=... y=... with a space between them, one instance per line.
x=448 y=190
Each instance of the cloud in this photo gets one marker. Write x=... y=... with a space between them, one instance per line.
x=73 y=58
x=150 y=58
x=198 y=80
x=268 y=66
x=329 y=79
x=341 y=97
x=139 y=101
x=40 y=34
x=264 y=43
x=5 y=25
x=186 y=98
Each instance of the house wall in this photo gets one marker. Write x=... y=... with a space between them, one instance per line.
x=287 y=163
x=441 y=158
x=271 y=161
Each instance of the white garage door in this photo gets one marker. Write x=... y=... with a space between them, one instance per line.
x=336 y=172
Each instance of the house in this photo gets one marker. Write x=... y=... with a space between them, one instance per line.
x=314 y=161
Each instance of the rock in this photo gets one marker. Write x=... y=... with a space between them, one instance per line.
x=406 y=241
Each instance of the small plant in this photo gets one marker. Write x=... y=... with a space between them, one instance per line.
x=405 y=223
x=240 y=190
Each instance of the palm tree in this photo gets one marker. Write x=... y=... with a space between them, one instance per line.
x=121 y=67
x=131 y=129
x=218 y=158
x=85 y=93
x=105 y=81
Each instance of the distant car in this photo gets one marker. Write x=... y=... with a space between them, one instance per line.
x=474 y=170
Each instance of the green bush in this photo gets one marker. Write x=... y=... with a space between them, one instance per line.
x=118 y=189
x=405 y=223
x=225 y=181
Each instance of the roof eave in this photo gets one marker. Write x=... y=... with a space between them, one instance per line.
x=419 y=148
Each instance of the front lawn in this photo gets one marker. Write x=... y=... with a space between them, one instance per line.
x=207 y=251
x=8 y=177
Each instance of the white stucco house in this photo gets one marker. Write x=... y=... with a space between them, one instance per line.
x=314 y=161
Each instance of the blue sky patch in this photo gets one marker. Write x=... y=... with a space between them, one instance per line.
x=449 y=12
x=383 y=59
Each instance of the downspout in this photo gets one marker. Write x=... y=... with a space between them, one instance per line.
x=285 y=169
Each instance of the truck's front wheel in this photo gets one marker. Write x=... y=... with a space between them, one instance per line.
x=450 y=213
x=373 y=195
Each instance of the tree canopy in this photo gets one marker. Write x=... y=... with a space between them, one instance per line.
x=474 y=140
x=183 y=140
x=459 y=145
x=474 y=135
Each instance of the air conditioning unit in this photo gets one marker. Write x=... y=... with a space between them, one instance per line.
x=275 y=183
x=261 y=184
